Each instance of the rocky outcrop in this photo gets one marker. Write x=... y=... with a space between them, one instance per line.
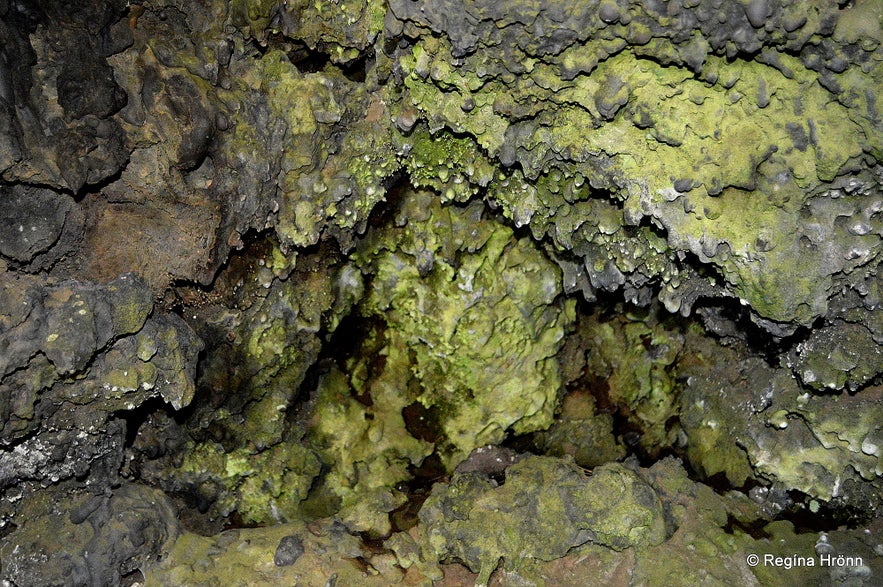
x=75 y=357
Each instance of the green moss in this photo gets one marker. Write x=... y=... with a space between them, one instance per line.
x=477 y=311
x=637 y=357
x=367 y=447
x=263 y=487
x=640 y=128
x=545 y=508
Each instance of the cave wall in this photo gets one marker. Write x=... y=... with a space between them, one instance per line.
x=268 y=263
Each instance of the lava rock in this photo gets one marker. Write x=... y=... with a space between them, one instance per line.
x=289 y=550
x=88 y=540
x=546 y=507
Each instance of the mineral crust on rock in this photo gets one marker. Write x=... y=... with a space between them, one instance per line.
x=349 y=292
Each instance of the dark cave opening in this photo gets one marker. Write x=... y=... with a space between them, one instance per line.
x=137 y=416
x=314 y=60
x=307 y=60
x=417 y=489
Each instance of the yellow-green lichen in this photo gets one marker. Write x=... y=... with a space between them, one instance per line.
x=261 y=488
x=477 y=310
x=692 y=148
x=367 y=447
x=343 y=29
x=636 y=358
x=463 y=320
x=545 y=508
x=323 y=555
x=455 y=167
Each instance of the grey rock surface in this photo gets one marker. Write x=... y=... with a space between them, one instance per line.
x=257 y=254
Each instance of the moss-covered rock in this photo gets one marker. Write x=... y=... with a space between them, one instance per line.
x=746 y=419
x=653 y=108
x=366 y=444
x=241 y=455
x=580 y=432
x=477 y=311
x=318 y=554
x=545 y=508
x=842 y=356
x=343 y=31
x=77 y=356
x=260 y=487
x=467 y=323
x=705 y=541
x=635 y=357
x=252 y=162
x=89 y=539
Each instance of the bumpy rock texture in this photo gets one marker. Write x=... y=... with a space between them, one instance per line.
x=321 y=274
x=545 y=508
